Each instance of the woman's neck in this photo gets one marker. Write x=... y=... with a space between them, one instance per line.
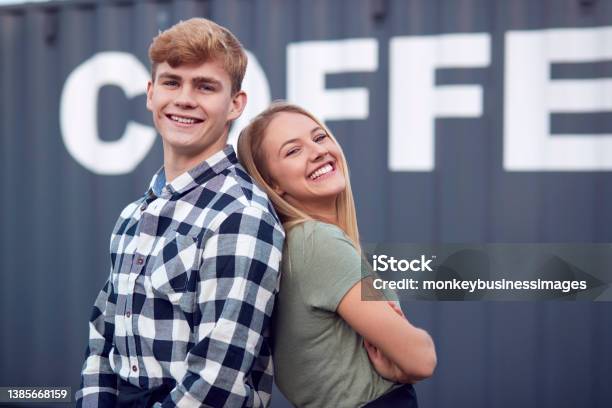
x=321 y=210
x=326 y=213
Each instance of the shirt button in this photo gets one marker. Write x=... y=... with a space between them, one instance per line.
x=128 y=315
x=134 y=368
x=139 y=261
x=143 y=207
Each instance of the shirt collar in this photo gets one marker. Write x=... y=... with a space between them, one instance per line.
x=197 y=175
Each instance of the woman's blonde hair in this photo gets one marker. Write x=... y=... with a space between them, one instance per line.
x=252 y=158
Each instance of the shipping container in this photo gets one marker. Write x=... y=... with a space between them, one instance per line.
x=464 y=121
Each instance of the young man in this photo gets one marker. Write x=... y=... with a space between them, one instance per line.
x=183 y=319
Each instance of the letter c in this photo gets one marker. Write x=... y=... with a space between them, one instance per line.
x=78 y=114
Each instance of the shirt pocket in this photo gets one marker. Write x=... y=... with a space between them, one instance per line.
x=174 y=264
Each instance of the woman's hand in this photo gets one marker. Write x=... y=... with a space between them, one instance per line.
x=383 y=325
x=385 y=367
x=381 y=363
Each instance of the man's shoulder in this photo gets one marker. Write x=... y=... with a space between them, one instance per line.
x=131 y=208
x=127 y=213
x=247 y=196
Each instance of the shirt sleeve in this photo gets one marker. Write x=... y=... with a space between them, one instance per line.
x=98 y=381
x=239 y=278
x=328 y=265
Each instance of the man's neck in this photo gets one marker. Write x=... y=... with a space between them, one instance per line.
x=176 y=163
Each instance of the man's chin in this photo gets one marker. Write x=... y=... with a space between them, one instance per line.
x=185 y=150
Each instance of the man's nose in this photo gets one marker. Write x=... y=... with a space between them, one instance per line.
x=185 y=99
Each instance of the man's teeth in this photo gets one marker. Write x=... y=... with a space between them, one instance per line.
x=323 y=170
x=182 y=120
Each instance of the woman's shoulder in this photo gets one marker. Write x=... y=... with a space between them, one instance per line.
x=317 y=240
x=324 y=263
x=315 y=232
x=311 y=228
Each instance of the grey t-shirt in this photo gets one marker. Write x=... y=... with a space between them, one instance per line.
x=319 y=359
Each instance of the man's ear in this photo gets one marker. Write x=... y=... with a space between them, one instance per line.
x=149 y=95
x=239 y=101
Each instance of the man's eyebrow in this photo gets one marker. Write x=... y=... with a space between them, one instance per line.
x=206 y=80
x=195 y=80
x=166 y=75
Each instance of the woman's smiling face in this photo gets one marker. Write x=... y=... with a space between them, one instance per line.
x=302 y=162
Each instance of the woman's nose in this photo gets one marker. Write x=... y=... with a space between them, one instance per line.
x=318 y=151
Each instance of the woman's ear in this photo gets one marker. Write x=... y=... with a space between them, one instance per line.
x=278 y=190
x=275 y=187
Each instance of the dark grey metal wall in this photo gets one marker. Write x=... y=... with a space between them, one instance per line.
x=56 y=215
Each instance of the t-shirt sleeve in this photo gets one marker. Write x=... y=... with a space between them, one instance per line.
x=328 y=265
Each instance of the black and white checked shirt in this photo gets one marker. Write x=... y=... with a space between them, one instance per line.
x=194 y=273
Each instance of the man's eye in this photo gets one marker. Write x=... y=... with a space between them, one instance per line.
x=170 y=83
x=206 y=87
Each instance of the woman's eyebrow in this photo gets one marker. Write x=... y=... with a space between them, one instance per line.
x=295 y=139
x=316 y=129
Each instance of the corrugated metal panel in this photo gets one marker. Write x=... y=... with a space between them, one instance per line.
x=56 y=215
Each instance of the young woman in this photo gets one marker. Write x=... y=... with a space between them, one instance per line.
x=331 y=348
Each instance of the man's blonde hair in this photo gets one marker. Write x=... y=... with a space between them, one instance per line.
x=196 y=41
x=252 y=159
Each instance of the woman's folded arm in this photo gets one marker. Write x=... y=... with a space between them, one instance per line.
x=409 y=347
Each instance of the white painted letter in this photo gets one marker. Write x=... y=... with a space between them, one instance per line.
x=78 y=114
x=414 y=99
x=530 y=97
x=309 y=62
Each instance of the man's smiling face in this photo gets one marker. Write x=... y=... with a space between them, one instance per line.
x=192 y=106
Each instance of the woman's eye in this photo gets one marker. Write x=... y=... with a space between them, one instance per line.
x=291 y=152
x=320 y=137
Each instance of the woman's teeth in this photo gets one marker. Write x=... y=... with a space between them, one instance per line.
x=323 y=170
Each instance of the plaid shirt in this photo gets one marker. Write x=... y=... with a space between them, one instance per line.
x=194 y=273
